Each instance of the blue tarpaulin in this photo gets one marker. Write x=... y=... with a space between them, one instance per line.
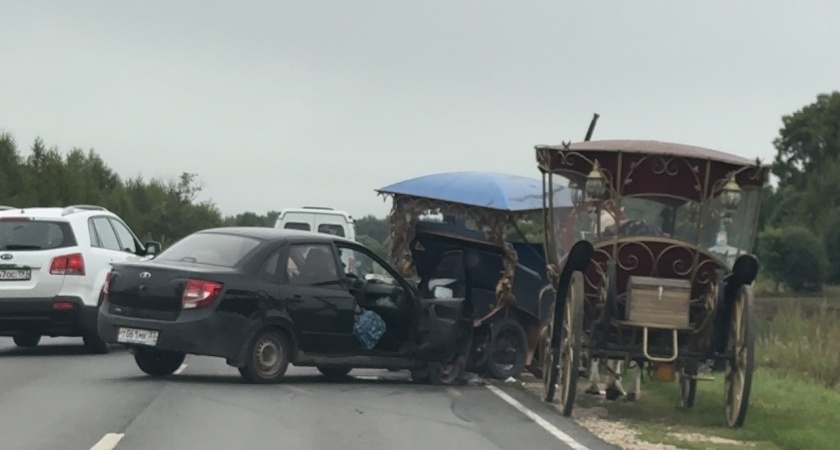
x=493 y=190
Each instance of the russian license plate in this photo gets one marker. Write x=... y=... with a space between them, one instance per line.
x=15 y=274
x=135 y=336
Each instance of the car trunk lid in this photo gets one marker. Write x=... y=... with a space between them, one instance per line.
x=154 y=287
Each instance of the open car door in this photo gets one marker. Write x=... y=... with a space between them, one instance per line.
x=445 y=316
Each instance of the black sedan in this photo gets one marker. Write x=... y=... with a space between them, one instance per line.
x=263 y=298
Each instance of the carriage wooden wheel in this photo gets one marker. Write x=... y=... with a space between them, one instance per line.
x=740 y=357
x=562 y=362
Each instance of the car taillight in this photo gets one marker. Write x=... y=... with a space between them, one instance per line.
x=62 y=306
x=198 y=293
x=107 y=285
x=68 y=265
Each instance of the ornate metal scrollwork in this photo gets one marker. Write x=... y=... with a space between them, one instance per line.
x=405 y=213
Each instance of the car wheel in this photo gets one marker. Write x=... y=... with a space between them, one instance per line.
x=335 y=372
x=448 y=373
x=421 y=376
x=27 y=340
x=158 y=363
x=508 y=350
x=95 y=344
x=268 y=358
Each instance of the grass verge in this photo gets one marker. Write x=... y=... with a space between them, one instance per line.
x=802 y=344
x=795 y=400
x=784 y=413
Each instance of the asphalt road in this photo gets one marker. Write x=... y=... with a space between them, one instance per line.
x=58 y=397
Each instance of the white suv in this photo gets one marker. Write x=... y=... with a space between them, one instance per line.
x=53 y=263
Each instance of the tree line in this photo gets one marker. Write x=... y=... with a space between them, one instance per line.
x=799 y=225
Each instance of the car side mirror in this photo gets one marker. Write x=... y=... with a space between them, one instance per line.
x=153 y=248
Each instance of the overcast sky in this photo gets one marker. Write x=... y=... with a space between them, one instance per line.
x=278 y=104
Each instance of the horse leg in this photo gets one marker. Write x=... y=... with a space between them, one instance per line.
x=594 y=378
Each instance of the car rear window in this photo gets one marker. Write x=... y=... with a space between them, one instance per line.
x=297 y=226
x=328 y=228
x=31 y=235
x=215 y=249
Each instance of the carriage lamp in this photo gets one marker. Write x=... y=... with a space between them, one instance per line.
x=730 y=194
x=595 y=184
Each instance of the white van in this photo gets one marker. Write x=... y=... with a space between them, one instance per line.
x=318 y=219
x=321 y=220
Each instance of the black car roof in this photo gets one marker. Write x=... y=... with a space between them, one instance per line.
x=276 y=234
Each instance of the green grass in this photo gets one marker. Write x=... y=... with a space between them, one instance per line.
x=802 y=344
x=766 y=288
x=784 y=414
x=795 y=400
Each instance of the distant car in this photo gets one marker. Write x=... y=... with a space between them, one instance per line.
x=53 y=263
x=318 y=219
x=263 y=298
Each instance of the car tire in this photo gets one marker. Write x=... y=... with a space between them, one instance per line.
x=268 y=358
x=158 y=363
x=421 y=376
x=507 y=336
x=27 y=340
x=95 y=344
x=335 y=372
x=450 y=373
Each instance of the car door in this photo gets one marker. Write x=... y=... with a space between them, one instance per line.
x=444 y=316
x=129 y=243
x=317 y=299
x=377 y=287
x=105 y=250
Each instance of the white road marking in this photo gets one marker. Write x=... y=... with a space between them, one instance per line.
x=546 y=425
x=366 y=377
x=180 y=369
x=108 y=442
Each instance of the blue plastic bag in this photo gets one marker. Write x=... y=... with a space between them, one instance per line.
x=369 y=329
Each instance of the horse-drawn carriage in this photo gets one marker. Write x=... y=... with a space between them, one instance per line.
x=652 y=265
x=466 y=253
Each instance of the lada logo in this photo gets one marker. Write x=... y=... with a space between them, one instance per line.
x=6 y=256
x=145 y=275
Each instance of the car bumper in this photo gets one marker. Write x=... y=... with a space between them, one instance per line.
x=206 y=333
x=55 y=316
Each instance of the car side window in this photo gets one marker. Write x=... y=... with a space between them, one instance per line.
x=360 y=264
x=94 y=238
x=125 y=236
x=312 y=265
x=106 y=234
x=271 y=267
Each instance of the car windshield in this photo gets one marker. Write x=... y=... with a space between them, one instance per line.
x=22 y=235
x=225 y=250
